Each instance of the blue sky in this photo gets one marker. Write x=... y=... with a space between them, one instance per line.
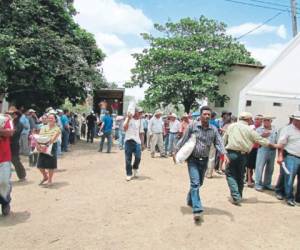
x=117 y=24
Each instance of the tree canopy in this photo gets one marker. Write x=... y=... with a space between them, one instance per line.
x=45 y=57
x=185 y=62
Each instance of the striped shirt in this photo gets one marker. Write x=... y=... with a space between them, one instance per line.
x=50 y=132
x=205 y=137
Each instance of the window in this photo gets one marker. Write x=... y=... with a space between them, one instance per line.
x=248 y=103
x=219 y=103
x=277 y=104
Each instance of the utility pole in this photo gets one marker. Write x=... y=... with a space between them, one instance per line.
x=294 y=16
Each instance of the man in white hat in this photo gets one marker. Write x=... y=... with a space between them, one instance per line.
x=289 y=140
x=239 y=139
x=265 y=158
x=174 y=126
x=155 y=128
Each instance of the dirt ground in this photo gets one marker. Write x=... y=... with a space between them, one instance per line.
x=91 y=206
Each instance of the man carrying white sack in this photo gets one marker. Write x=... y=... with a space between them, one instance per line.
x=206 y=135
x=6 y=131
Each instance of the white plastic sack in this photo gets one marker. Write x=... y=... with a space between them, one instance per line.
x=3 y=120
x=186 y=150
x=43 y=141
x=5 y=173
x=131 y=108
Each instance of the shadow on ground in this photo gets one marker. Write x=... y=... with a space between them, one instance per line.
x=209 y=211
x=14 y=218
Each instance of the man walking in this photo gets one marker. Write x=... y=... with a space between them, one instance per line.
x=106 y=127
x=134 y=139
x=174 y=125
x=206 y=135
x=156 y=127
x=289 y=140
x=5 y=166
x=239 y=139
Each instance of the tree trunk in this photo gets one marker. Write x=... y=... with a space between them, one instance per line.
x=187 y=106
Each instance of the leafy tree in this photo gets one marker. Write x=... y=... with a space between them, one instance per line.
x=184 y=64
x=45 y=57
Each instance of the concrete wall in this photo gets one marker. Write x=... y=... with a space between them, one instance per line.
x=265 y=105
x=236 y=80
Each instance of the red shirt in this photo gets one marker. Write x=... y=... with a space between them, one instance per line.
x=5 y=154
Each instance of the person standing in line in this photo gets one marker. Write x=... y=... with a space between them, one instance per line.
x=183 y=124
x=24 y=143
x=206 y=135
x=156 y=128
x=145 y=126
x=174 y=125
x=83 y=126
x=5 y=166
x=120 y=123
x=253 y=153
x=106 y=127
x=148 y=136
x=166 y=132
x=134 y=138
x=65 y=130
x=48 y=163
x=289 y=140
x=239 y=139
x=91 y=123
x=265 y=158
x=15 y=146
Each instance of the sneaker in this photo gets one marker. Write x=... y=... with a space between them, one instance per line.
x=5 y=210
x=152 y=155
x=198 y=217
x=236 y=202
x=259 y=189
x=135 y=173
x=291 y=203
x=128 y=178
x=279 y=197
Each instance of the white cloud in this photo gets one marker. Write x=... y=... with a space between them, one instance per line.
x=267 y=54
x=110 y=16
x=246 y=27
x=108 y=41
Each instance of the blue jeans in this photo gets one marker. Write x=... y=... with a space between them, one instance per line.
x=132 y=148
x=197 y=170
x=265 y=160
x=166 y=143
x=107 y=135
x=5 y=184
x=65 y=140
x=172 y=142
x=121 y=139
x=292 y=163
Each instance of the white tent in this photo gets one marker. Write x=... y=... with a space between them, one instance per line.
x=280 y=80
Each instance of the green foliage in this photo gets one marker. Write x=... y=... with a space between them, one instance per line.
x=185 y=63
x=45 y=57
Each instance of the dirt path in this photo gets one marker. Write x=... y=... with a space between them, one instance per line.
x=91 y=206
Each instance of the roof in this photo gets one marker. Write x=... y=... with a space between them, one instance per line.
x=110 y=93
x=250 y=65
x=282 y=77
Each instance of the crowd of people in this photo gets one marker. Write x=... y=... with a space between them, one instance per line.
x=226 y=145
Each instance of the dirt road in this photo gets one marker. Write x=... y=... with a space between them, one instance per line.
x=91 y=206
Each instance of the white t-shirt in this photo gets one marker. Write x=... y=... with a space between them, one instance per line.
x=155 y=125
x=290 y=138
x=174 y=126
x=135 y=127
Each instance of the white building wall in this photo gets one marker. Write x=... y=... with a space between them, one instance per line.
x=236 y=80
x=265 y=105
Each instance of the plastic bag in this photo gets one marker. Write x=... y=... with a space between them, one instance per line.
x=3 y=120
x=5 y=173
x=186 y=150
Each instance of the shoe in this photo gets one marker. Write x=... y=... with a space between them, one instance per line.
x=128 y=178
x=22 y=179
x=5 y=210
x=250 y=185
x=236 y=202
x=198 y=217
x=152 y=156
x=259 y=189
x=279 y=197
x=163 y=156
x=135 y=173
x=291 y=203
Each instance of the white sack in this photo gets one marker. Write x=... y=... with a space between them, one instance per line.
x=186 y=150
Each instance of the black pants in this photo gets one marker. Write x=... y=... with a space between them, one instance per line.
x=90 y=134
x=15 y=159
x=297 y=196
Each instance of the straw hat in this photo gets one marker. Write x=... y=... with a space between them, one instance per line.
x=296 y=115
x=173 y=115
x=268 y=117
x=245 y=115
x=158 y=112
